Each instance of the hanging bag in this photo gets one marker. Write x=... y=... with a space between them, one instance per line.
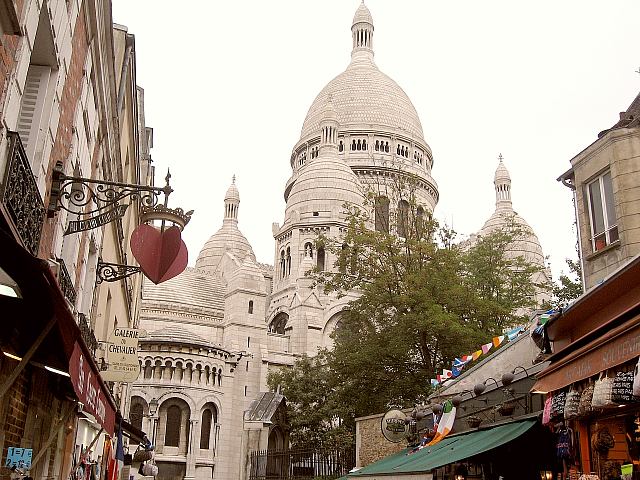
x=586 y=396
x=142 y=455
x=571 y=404
x=546 y=412
x=622 y=388
x=602 y=392
x=636 y=379
x=557 y=406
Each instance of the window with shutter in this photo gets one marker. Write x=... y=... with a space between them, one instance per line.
x=31 y=120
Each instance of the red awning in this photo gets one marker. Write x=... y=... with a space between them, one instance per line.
x=63 y=348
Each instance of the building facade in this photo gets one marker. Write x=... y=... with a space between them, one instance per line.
x=605 y=181
x=69 y=105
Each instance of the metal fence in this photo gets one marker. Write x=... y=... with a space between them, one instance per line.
x=300 y=464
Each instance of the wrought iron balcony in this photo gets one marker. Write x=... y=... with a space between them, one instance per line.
x=65 y=282
x=20 y=198
x=87 y=334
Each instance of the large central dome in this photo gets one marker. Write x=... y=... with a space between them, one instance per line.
x=366 y=98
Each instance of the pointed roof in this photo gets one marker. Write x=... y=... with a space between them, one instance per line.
x=502 y=174
x=362 y=15
x=232 y=192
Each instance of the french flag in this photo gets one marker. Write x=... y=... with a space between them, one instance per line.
x=116 y=463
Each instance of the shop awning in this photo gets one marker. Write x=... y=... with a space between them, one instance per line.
x=450 y=450
x=63 y=347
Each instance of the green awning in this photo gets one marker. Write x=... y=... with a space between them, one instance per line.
x=449 y=450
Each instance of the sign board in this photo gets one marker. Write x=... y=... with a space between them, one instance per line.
x=393 y=425
x=19 y=457
x=89 y=390
x=122 y=356
x=109 y=216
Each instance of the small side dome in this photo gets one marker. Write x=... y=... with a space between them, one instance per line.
x=362 y=15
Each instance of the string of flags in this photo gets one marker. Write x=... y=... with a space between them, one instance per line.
x=460 y=362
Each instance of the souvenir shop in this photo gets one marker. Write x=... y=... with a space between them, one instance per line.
x=592 y=384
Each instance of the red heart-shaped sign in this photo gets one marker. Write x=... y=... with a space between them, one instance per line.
x=161 y=255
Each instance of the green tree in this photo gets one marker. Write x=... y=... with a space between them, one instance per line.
x=422 y=301
x=570 y=286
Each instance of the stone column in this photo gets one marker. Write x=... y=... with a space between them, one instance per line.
x=191 y=449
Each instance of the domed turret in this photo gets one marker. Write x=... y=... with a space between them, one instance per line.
x=228 y=238
x=529 y=245
x=327 y=182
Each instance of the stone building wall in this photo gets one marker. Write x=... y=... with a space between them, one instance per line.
x=370 y=443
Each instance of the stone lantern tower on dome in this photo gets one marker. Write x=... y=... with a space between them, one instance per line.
x=527 y=246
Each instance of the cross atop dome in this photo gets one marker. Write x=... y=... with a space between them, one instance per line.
x=362 y=33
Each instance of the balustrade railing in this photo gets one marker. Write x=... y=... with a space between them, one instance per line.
x=19 y=196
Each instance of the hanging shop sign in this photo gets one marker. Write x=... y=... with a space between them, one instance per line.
x=161 y=254
x=394 y=426
x=19 y=457
x=90 y=391
x=109 y=216
x=122 y=356
x=613 y=348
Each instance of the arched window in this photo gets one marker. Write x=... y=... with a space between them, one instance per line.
x=308 y=250
x=340 y=147
x=136 y=413
x=250 y=306
x=364 y=144
x=219 y=377
x=382 y=214
x=320 y=260
x=353 y=145
x=288 y=261
x=279 y=323
x=386 y=147
x=282 y=264
x=398 y=150
x=377 y=147
x=403 y=218
x=205 y=429
x=172 y=431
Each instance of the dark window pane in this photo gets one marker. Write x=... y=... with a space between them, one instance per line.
x=382 y=214
x=597 y=216
x=135 y=415
x=403 y=218
x=205 y=429
x=172 y=432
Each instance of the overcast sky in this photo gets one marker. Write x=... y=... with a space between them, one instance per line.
x=228 y=85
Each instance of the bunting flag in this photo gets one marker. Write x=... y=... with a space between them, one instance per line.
x=459 y=362
x=498 y=340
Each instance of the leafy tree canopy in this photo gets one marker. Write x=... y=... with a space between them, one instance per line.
x=422 y=301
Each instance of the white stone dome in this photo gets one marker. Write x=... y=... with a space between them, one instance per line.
x=528 y=246
x=228 y=239
x=323 y=183
x=365 y=98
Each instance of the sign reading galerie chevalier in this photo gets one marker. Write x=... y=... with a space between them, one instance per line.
x=89 y=390
x=122 y=356
x=393 y=425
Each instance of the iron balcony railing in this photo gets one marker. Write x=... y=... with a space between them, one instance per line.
x=301 y=464
x=20 y=198
x=87 y=334
x=65 y=282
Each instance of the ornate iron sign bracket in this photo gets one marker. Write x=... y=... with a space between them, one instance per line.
x=112 y=272
x=97 y=202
